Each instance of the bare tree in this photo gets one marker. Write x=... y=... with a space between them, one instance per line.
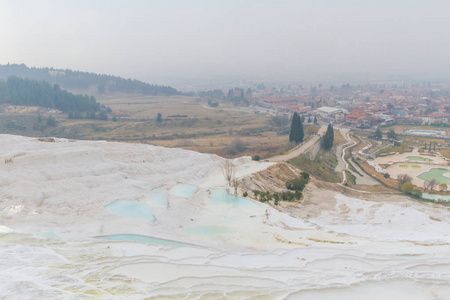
x=229 y=171
x=236 y=182
x=430 y=185
x=403 y=178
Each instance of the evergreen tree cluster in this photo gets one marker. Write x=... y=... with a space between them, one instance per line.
x=212 y=95
x=18 y=91
x=69 y=79
x=328 y=138
x=378 y=134
x=296 y=134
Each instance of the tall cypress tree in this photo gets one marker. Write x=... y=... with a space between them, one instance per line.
x=296 y=134
x=302 y=133
x=328 y=139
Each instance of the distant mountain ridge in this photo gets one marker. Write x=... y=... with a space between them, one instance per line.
x=69 y=79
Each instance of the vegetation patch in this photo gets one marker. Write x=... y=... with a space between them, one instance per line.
x=322 y=167
x=409 y=166
x=295 y=191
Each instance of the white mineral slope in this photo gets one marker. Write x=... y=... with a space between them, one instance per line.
x=249 y=251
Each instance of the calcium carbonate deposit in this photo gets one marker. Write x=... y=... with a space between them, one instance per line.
x=94 y=219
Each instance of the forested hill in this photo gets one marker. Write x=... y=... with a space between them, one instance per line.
x=69 y=79
x=19 y=91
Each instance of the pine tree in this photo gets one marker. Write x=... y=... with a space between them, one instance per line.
x=328 y=139
x=296 y=134
x=315 y=119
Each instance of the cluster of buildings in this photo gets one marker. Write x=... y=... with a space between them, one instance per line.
x=363 y=106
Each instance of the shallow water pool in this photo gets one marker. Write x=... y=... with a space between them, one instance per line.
x=158 y=198
x=436 y=173
x=130 y=209
x=142 y=238
x=436 y=197
x=48 y=235
x=418 y=158
x=221 y=197
x=183 y=190
x=410 y=166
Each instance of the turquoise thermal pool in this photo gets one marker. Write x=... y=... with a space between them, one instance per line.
x=183 y=190
x=436 y=197
x=221 y=197
x=157 y=198
x=143 y=239
x=130 y=209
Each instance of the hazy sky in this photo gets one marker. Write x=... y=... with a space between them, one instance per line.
x=251 y=39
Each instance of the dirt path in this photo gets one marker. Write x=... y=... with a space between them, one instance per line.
x=300 y=149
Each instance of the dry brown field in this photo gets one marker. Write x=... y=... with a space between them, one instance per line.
x=187 y=123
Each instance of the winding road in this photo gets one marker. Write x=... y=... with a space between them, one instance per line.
x=343 y=165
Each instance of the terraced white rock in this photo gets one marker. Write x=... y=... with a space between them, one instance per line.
x=52 y=208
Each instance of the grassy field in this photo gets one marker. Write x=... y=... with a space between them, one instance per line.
x=147 y=107
x=187 y=123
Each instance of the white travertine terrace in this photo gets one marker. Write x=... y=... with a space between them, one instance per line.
x=52 y=208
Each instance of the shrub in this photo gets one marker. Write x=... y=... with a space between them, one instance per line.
x=407 y=188
x=386 y=175
x=417 y=192
x=299 y=183
x=257 y=158
x=237 y=146
x=245 y=194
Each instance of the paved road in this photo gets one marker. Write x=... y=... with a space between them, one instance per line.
x=364 y=179
x=300 y=149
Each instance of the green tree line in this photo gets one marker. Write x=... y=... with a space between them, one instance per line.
x=83 y=80
x=18 y=91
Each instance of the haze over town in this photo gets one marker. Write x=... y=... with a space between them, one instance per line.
x=172 y=42
x=224 y=149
